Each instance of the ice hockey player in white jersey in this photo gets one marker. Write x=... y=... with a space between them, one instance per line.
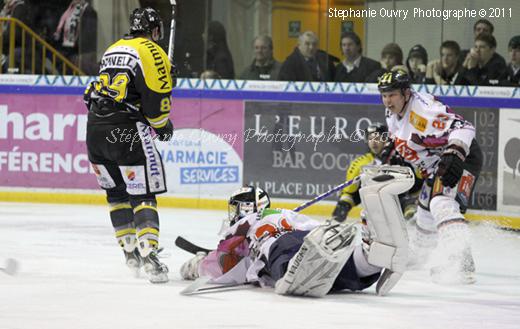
x=440 y=145
x=295 y=254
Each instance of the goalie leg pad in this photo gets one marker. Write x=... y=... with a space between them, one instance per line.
x=385 y=220
x=314 y=268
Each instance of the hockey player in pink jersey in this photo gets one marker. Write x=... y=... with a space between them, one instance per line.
x=440 y=145
x=300 y=256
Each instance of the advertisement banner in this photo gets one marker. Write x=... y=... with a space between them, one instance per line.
x=299 y=150
x=205 y=155
x=509 y=160
x=42 y=144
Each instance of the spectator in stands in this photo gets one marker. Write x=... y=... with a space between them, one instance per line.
x=416 y=64
x=209 y=74
x=512 y=76
x=446 y=70
x=306 y=63
x=483 y=66
x=218 y=56
x=480 y=26
x=391 y=59
x=77 y=35
x=20 y=10
x=264 y=66
x=483 y=26
x=355 y=67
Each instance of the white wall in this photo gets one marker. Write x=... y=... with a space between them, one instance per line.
x=113 y=21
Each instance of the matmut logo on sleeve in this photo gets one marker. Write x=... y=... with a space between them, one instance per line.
x=418 y=121
x=406 y=152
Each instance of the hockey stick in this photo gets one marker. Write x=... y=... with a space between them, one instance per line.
x=326 y=194
x=171 y=44
x=193 y=248
x=11 y=267
x=198 y=286
x=189 y=247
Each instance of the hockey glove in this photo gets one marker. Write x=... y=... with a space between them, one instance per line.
x=341 y=211
x=165 y=133
x=450 y=169
x=190 y=269
x=387 y=153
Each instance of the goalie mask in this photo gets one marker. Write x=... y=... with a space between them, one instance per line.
x=245 y=201
x=376 y=136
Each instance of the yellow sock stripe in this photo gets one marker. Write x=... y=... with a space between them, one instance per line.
x=148 y=230
x=120 y=206
x=126 y=231
x=141 y=207
x=158 y=122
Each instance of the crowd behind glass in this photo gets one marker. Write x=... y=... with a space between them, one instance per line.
x=73 y=33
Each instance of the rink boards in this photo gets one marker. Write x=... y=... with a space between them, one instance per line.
x=293 y=139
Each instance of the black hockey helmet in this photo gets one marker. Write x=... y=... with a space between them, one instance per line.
x=394 y=80
x=246 y=200
x=144 y=20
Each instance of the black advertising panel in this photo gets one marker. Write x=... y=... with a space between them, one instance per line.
x=299 y=150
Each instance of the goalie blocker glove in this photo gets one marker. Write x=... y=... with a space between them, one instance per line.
x=451 y=166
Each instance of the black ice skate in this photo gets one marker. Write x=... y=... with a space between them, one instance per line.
x=156 y=270
x=133 y=259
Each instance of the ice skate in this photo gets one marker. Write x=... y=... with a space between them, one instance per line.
x=133 y=261
x=458 y=269
x=156 y=270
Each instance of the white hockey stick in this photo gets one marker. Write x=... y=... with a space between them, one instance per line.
x=11 y=267
x=200 y=286
x=171 y=44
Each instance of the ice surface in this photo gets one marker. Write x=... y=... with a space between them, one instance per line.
x=72 y=276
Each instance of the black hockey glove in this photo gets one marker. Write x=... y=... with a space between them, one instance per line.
x=165 y=133
x=341 y=211
x=450 y=168
x=387 y=153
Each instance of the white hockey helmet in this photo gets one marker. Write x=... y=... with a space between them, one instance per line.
x=246 y=200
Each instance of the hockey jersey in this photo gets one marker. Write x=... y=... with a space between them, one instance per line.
x=350 y=193
x=425 y=130
x=242 y=255
x=135 y=73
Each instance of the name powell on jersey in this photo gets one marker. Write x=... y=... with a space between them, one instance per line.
x=405 y=151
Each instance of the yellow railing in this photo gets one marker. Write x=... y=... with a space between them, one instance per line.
x=55 y=63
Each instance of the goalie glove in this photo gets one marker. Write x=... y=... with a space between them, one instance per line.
x=451 y=166
x=190 y=269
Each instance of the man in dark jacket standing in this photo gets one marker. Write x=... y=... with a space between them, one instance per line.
x=354 y=68
x=306 y=63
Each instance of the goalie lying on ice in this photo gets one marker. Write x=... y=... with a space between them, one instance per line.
x=299 y=256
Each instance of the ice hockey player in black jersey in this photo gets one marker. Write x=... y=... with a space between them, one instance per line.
x=129 y=100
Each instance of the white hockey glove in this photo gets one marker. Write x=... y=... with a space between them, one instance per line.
x=190 y=269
